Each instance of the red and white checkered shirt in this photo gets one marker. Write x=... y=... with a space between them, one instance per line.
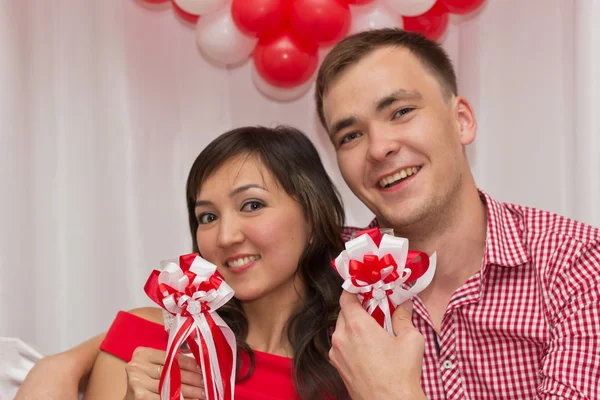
x=527 y=325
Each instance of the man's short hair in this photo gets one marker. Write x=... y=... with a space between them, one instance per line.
x=354 y=48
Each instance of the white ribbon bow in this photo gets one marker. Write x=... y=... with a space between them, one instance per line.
x=173 y=276
x=397 y=247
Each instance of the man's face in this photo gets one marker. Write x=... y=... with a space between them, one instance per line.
x=398 y=137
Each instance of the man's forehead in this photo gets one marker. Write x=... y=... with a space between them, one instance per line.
x=386 y=70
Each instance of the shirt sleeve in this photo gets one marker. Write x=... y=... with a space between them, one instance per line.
x=570 y=368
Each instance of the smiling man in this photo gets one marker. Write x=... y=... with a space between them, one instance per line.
x=514 y=308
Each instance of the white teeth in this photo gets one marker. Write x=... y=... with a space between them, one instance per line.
x=388 y=180
x=241 y=261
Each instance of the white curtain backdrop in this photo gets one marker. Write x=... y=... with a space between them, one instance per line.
x=105 y=104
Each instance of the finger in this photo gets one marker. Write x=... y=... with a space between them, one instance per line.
x=188 y=363
x=349 y=300
x=138 y=379
x=402 y=317
x=340 y=324
x=192 y=392
x=356 y=318
x=338 y=333
x=148 y=354
x=147 y=369
x=351 y=308
x=192 y=379
x=144 y=395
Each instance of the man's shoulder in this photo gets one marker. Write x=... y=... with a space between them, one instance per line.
x=548 y=241
x=552 y=239
x=545 y=225
x=565 y=254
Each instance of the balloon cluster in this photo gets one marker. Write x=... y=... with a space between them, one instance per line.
x=283 y=37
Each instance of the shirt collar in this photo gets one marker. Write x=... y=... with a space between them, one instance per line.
x=504 y=245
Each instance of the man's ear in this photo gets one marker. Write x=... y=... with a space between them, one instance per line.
x=466 y=120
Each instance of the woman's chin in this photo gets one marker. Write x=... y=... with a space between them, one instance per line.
x=247 y=296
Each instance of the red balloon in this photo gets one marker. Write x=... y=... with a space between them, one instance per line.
x=432 y=24
x=191 y=18
x=260 y=18
x=462 y=6
x=285 y=61
x=358 y=2
x=320 y=21
x=155 y=1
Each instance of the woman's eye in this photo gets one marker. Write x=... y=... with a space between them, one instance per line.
x=402 y=111
x=350 y=137
x=206 y=218
x=252 y=205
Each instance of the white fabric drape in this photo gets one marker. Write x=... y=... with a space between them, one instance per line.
x=105 y=104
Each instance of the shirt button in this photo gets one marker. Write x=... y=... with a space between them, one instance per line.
x=447 y=364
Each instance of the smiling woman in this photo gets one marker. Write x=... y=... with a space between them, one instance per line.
x=238 y=208
x=262 y=209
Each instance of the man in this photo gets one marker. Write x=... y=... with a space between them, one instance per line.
x=514 y=309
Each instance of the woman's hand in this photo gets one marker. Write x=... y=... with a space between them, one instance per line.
x=143 y=375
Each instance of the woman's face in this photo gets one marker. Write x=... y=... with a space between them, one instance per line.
x=251 y=229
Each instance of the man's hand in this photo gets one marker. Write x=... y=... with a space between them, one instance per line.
x=372 y=363
x=61 y=376
x=52 y=378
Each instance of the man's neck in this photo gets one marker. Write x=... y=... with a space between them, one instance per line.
x=459 y=243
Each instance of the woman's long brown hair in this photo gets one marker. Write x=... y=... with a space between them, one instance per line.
x=295 y=163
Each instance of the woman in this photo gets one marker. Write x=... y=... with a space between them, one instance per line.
x=262 y=209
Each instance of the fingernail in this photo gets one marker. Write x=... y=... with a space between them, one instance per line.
x=408 y=306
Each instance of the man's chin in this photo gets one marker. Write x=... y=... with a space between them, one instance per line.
x=399 y=220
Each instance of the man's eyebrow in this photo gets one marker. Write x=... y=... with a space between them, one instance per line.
x=342 y=124
x=401 y=94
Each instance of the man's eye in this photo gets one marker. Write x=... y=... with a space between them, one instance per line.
x=350 y=137
x=402 y=111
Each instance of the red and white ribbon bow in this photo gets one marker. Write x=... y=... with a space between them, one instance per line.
x=192 y=291
x=376 y=268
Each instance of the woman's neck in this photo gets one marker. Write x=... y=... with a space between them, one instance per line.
x=268 y=317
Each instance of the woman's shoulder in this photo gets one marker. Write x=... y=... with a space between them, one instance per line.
x=141 y=327
x=152 y=314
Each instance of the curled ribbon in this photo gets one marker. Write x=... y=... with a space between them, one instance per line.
x=192 y=291
x=378 y=270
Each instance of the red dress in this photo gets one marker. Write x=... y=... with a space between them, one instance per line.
x=271 y=380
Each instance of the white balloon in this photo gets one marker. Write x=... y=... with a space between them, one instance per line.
x=280 y=94
x=201 y=7
x=410 y=8
x=221 y=41
x=369 y=17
